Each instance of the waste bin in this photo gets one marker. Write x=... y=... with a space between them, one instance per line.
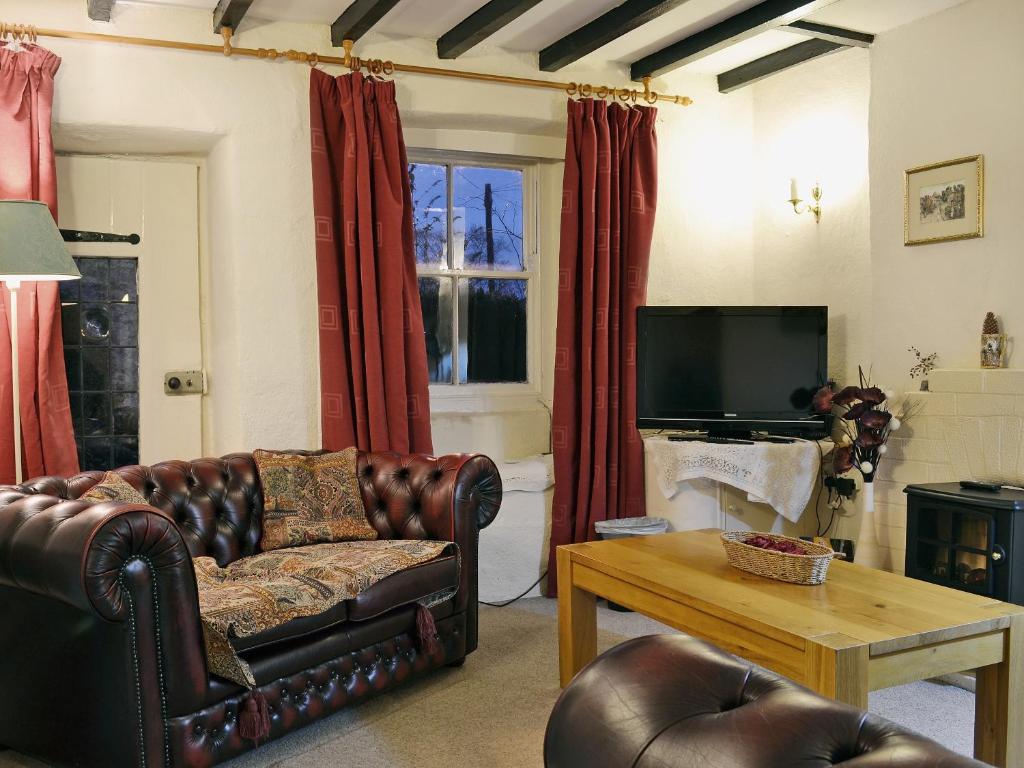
x=626 y=527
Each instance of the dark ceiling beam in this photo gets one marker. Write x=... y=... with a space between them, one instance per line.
x=769 y=14
x=229 y=13
x=759 y=69
x=602 y=30
x=358 y=19
x=832 y=34
x=480 y=25
x=99 y=10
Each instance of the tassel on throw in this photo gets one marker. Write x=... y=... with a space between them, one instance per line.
x=426 y=631
x=254 y=722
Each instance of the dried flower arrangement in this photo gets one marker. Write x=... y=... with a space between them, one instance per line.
x=925 y=363
x=867 y=423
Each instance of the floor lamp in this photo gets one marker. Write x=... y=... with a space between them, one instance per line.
x=31 y=248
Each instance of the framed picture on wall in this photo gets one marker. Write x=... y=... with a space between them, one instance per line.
x=944 y=201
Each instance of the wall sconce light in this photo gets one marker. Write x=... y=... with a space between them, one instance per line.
x=794 y=199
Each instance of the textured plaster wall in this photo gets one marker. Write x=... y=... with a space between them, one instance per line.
x=248 y=120
x=942 y=88
x=811 y=122
x=945 y=87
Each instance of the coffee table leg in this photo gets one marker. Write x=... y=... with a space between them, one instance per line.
x=999 y=708
x=838 y=672
x=577 y=621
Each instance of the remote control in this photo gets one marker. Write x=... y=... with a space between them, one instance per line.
x=976 y=485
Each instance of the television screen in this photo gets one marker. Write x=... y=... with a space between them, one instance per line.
x=729 y=363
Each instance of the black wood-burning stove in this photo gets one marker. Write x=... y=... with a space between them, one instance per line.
x=967 y=539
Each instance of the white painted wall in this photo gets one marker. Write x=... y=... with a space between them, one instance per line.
x=857 y=120
x=811 y=122
x=247 y=120
x=945 y=87
x=935 y=296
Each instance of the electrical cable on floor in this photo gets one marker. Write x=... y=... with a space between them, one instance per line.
x=524 y=594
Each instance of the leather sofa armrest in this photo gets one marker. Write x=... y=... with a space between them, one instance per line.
x=444 y=498
x=122 y=562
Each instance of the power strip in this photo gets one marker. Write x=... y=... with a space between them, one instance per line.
x=843 y=486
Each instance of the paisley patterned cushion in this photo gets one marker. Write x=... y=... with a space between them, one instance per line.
x=310 y=499
x=113 y=487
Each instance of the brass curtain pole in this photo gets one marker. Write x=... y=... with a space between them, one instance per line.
x=373 y=66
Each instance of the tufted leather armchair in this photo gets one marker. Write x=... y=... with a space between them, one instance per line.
x=102 y=660
x=672 y=700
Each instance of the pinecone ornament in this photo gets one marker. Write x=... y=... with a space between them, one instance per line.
x=991 y=325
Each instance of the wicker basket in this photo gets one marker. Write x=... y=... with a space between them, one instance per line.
x=810 y=568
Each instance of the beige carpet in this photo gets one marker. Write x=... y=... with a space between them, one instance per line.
x=492 y=712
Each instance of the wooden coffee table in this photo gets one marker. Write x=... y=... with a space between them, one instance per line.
x=863 y=629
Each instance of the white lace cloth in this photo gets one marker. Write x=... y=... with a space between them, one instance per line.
x=779 y=474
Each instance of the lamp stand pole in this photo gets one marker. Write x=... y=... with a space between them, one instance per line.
x=13 y=286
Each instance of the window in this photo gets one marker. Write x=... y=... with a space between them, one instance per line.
x=100 y=320
x=475 y=257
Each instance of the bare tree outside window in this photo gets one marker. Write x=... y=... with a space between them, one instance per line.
x=474 y=276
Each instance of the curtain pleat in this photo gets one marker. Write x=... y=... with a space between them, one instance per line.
x=373 y=367
x=28 y=172
x=609 y=197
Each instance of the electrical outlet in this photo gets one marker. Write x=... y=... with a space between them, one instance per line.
x=843 y=486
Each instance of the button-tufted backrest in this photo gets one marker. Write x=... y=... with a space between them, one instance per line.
x=409 y=496
x=218 y=503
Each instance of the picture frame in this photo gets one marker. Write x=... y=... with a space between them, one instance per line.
x=944 y=201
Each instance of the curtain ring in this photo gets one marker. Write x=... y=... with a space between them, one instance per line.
x=572 y=90
x=388 y=68
x=651 y=97
x=603 y=91
x=586 y=89
x=313 y=60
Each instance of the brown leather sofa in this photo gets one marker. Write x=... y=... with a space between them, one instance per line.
x=670 y=701
x=102 y=661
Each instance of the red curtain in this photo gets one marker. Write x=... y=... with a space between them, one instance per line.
x=28 y=172
x=373 y=363
x=609 y=195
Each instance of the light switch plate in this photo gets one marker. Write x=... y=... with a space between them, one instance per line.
x=184 y=383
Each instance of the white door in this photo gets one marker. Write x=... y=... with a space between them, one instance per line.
x=135 y=314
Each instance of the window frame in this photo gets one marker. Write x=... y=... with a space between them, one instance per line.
x=492 y=396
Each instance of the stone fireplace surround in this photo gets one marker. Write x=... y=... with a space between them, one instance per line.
x=968 y=425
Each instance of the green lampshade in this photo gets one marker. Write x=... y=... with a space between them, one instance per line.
x=31 y=247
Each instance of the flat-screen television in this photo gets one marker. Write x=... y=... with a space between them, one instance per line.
x=731 y=370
